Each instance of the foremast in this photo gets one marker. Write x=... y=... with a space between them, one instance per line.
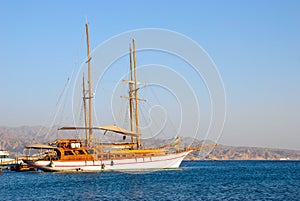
x=131 y=96
x=84 y=112
x=90 y=92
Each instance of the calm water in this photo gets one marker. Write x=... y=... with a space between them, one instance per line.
x=205 y=180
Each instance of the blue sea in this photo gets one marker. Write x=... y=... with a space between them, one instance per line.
x=196 y=180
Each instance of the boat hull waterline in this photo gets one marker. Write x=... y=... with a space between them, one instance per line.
x=170 y=161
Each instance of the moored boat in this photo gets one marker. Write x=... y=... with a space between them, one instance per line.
x=5 y=160
x=71 y=155
x=86 y=155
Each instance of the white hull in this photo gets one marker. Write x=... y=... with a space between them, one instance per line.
x=5 y=161
x=170 y=161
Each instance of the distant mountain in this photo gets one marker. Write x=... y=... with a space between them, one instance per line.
x=222 y=152
x=14 y=139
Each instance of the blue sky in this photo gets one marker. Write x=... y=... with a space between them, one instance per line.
x=254 y=44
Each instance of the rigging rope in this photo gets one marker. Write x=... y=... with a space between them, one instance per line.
x=59 y=104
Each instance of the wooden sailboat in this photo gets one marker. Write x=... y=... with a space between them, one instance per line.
x=74 y=154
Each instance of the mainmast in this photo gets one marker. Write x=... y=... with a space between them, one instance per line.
x=137 y=130
x=133 y=97
x=90 y=97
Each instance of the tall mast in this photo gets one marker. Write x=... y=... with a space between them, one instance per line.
x=89 y=85
x=136 y=96
x=84 y=110
x=131 y=95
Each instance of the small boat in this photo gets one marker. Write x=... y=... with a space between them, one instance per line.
x=5 y=160
x=85 y=155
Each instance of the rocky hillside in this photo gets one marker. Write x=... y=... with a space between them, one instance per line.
x=222 y=152
x=15 y=138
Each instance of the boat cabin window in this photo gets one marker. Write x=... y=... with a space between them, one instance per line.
x=4 y=156
x=67 y=153
x=80 y=152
